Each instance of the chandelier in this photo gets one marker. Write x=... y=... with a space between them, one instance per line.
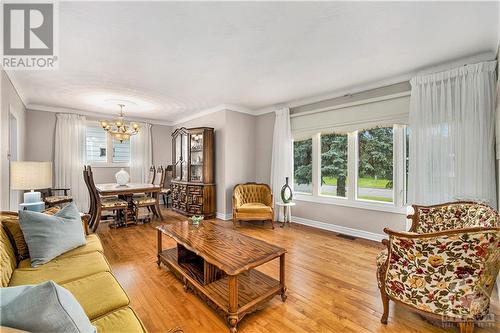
x=119 y=128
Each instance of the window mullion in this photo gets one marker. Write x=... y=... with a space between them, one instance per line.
x=399 y=165
x=109 y=148
x=316 y=164
x=352 y=158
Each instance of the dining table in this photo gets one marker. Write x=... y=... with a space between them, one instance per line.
x=127 y=191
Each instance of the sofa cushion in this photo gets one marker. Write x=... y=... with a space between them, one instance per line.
x=62 y=270
x=98 y=294
x=46 y=307
x=7 y=256
x=256 y=208
x=119 y=321
x=50 y=236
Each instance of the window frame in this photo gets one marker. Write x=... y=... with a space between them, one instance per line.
x=351 y=200
x=109 y=148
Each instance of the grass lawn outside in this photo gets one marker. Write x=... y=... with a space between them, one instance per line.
x=362 y=182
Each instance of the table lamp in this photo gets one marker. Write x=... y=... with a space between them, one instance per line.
x=31 y=176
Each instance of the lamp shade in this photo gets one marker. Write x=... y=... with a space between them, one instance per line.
x=30 y=175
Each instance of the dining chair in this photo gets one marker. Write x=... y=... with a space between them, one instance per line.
x=149 y=201
x=166 y=191
x=103 y=204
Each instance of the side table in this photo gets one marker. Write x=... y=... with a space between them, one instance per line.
x=287 y=212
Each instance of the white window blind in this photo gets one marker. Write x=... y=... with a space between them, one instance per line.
x=348 y=118
x=96 y=145
x=121 y=151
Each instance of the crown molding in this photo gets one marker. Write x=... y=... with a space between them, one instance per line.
x=55 y=109
x=218 y=108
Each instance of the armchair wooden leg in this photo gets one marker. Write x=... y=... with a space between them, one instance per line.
x=235 y=223
x=385 y=303
x=272 y=223
x=467 y=327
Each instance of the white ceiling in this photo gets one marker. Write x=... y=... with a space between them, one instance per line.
x=175 y=59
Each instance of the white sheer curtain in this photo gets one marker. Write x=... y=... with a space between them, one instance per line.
x=282 y=156
x=141 y=156
x=69 y=157
x=452 y=122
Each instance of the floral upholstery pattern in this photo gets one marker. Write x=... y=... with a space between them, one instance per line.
x=444 y=268
x=144 y=201
x=113 y=202
x=450 y=275
x=454 y=216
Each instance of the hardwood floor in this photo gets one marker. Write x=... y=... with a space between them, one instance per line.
x=331 y=284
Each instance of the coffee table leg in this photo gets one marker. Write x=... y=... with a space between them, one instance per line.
x=159 y=247
x=232 y=318
x=282 y=277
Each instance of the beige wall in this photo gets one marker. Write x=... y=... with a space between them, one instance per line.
x=10 y=102
x=40 y=128
x=240 y=152
x=264 y=127
x=234 y=152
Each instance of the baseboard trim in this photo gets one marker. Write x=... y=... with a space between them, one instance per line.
x=339 y=229
x=222 y=216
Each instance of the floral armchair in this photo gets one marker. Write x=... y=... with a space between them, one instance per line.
x=445 y=267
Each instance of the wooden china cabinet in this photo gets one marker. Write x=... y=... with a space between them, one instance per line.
x=193 y=174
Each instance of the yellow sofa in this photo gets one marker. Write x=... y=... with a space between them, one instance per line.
x=252 y=202
x=85 y=272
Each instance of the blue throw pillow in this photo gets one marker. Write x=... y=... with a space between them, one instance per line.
x=46 y=307
x=49 y=236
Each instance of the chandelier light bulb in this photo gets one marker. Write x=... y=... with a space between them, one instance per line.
x=119 y=129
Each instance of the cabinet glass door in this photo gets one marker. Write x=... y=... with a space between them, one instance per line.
x=178 y=157
x=196 y=153
x=184 y=161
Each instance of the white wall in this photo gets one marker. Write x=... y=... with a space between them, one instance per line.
x=10 y=103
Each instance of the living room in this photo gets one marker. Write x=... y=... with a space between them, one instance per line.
x=176 y=166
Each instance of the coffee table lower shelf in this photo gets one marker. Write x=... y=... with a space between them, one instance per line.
x=254 y=287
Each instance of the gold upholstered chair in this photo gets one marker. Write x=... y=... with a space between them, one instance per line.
x=252 y=202
x=445 y=266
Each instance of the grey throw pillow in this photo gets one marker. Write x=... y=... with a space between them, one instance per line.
x=49 y=236
x=46 y=307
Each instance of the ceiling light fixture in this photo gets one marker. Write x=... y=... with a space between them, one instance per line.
x=119 y=128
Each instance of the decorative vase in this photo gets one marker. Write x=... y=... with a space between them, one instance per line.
x=286 y=192
x=196 y=220
x=122 y=177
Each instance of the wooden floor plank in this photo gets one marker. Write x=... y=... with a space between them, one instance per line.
x=331 y=284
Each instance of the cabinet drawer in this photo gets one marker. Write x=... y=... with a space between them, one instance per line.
x=196 y=190
x=195 y=209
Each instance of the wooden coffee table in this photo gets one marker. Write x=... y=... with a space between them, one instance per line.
x=217 y=263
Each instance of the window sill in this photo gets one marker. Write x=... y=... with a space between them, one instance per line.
x=108 y=165
x=362 y=204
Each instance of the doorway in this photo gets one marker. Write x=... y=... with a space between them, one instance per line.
x=13 y=155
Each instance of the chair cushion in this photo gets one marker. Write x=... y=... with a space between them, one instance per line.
x=382 y=258
x=61 y=270
x=122 y=320
x=113 y=202
x=46 y=307
x=144 y=201
x=98 y=294
x=254 y=207
x=55 y=199
x=50 y=236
